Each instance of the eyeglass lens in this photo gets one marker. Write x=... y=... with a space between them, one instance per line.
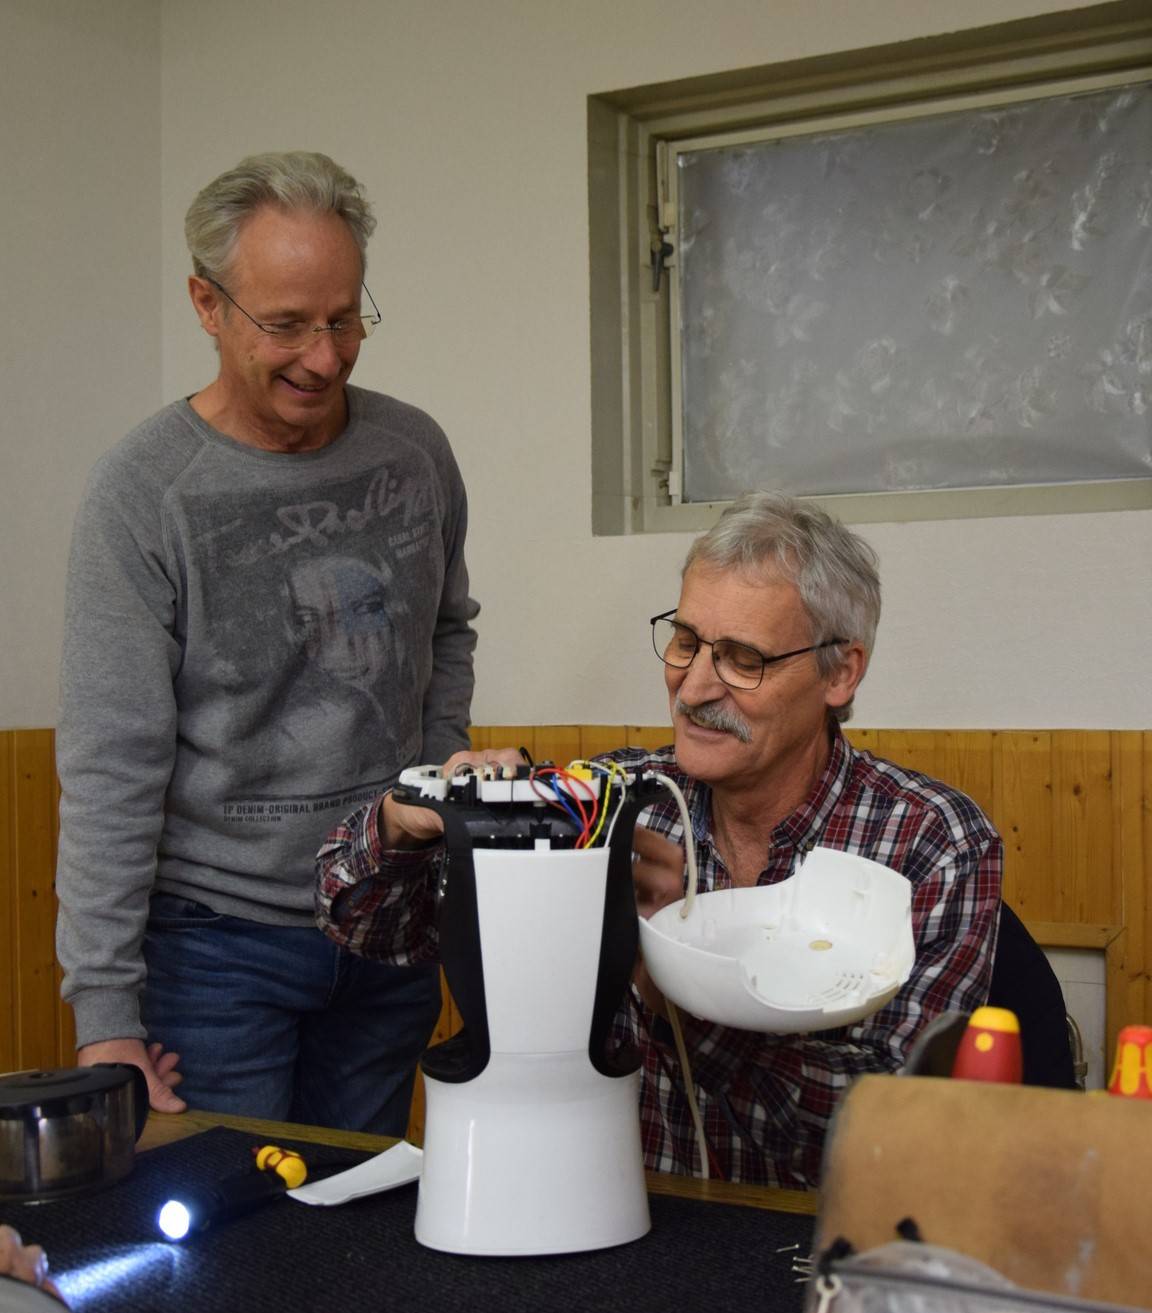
x=737 y=665
x=343 y=334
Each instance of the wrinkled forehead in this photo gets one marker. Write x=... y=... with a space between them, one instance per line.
x=741 y=602
x=277 y=247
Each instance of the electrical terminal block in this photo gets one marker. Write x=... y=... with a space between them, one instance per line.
x=525 y=805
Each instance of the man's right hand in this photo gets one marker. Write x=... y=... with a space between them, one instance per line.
x=159 y=1068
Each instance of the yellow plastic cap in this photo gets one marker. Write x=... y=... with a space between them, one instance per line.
x=1002 y=1019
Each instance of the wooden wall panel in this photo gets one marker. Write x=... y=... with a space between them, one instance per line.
x=1082 y=828
x=8 y=858
x=601 y=738
x=647 y=736
x=967 y=762
x=1129 y=985
x=558 y=743
x=1074 y=808
x=920 y=749
x=39 y=1025
x=1144 y=957
x=1022 y=810
x=37 y=803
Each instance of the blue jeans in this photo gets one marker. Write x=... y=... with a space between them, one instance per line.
x=279 y=1022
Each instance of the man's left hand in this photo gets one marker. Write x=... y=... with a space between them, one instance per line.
x=658 y=878
x=657 y=871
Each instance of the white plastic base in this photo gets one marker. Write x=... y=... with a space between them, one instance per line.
x=540 y=1154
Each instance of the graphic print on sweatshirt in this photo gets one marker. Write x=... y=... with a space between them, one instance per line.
x=318 y=614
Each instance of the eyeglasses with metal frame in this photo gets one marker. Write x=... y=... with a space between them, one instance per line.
x=295 y=337
x=736 y=664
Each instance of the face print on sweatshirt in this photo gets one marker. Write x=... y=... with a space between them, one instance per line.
x=317 y=603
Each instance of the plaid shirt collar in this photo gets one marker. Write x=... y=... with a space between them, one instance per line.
x=801 y=830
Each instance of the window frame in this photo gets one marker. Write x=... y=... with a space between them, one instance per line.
x=633 y=136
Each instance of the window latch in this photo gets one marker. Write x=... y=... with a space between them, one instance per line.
x=662 y=252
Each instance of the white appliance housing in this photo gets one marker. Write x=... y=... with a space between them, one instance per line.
x=540 y=1153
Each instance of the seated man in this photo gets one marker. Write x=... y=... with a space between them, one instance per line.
x=762 y=657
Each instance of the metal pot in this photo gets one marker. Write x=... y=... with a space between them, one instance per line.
x=68 y=1132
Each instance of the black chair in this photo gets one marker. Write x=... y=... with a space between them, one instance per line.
x=1024 y=982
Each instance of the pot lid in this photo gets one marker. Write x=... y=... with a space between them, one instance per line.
x=54 y=1093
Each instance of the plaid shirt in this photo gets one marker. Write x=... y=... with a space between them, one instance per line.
x=766 y=1100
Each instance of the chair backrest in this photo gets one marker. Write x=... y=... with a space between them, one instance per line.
x=1023 y=980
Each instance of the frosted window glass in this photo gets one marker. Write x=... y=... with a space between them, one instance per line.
x=959 y=301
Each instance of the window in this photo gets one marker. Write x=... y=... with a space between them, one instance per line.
x=921 y=292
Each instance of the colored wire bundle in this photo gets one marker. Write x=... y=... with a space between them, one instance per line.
x=571 y=791
x=613 y=776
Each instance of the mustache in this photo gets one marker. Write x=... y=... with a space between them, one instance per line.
x=712 y=715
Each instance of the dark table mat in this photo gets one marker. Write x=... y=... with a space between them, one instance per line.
x=106 y=1255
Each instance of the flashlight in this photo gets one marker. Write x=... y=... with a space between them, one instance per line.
x=197 y=1209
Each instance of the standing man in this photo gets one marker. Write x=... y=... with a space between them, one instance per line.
x=268 y=619
x=762 y=658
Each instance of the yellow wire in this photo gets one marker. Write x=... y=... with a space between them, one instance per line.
x=611 y=769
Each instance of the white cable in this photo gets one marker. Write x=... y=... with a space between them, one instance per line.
x=689 y=1087
x=625 y=780
x=674 y=1016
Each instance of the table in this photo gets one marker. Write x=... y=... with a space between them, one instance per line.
x=168 y=1128
x=711 y=1243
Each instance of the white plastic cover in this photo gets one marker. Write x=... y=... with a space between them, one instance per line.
x=824 y=948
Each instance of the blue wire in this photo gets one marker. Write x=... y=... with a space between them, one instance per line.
x=565 y=801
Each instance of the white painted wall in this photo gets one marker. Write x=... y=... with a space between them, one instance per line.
x=466 y=121
x=1081 y=973
x=80 y=281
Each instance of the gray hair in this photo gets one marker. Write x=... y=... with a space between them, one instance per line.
x=291 y=180
x=832 y=568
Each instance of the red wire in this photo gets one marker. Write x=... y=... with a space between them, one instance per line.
x=570 y=781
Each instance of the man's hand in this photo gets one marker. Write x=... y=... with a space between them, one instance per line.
x=404 y=826
x=657 y=871
x=658 y=878
x=159 y=1068
x=24 y=1262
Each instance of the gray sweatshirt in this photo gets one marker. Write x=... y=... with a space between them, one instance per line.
x=255 y=643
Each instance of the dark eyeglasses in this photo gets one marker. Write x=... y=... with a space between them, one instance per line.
x=737 y=664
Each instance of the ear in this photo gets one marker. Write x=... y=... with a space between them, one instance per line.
x=840 y=686
x=208 y=303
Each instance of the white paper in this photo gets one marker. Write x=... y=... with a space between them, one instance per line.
x=399 y=1165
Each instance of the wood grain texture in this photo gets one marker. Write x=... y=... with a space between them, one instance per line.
x=1074 y=808
x=1083 y=833
x=1128 y=968
x=8 y=864
x=1022 y=810
x=32 y=809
